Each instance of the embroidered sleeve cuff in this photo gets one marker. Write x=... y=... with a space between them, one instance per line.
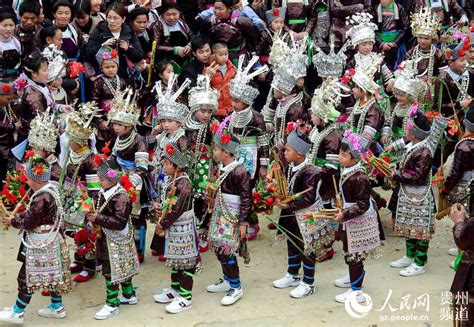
x=369 y=131
x=141 y=160
x=398 y=145
x=264 y=161
x=386 y=131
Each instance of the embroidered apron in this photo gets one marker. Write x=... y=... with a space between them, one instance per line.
x=316 y=233
x=122 y=254
x=74 y=217
x=47 y=262
x=362 y=232
x=180 y=246
x=249 y=154
x=415 y=212
x=224 y=232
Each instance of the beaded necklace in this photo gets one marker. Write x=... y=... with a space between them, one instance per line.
x=399 y=111
x=129 y=236
x=405 y=159
x=280 y=115
x=418 y=54
x=241 y=119
x=291 y=179
x=362 y=111
x=462 y=87
x=108 y=83
x=123 y=144
x=317 y=137
x=54 y=192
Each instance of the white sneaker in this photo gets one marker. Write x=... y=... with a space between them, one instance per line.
x=131 y=301
x=49 y=312
x=179 y=305
x=106 y=312
x=286 y=281
x=402 y=262
x=219 y=287
x=7 y=315
x=341 y=298
x=453 y=251
x=343 y=282
x=167 y=296
x=302 y=290
x=413 y=270
x=232 y=296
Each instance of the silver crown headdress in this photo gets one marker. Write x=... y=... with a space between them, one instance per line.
x=239 y=86
x=331 y=64
x=124 y=109
x=168 y=106
x=43 y=132
x=56 y=62
x=173 y=152
x=203 y=96
x=365 y=79
x=292 y=67
x=327 y=98
x=406 y=80
x=79 y=123
x=425 y=23
x=279 y=50
x=362 y=30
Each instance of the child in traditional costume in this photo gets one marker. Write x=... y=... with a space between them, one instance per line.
x=130 y=152
x=203 y=102
x=179 y=224
x=81 y=174
x=171 y=117
x=248 y=126
x=358 y=227
x=43 y=251
x=429 y=59
x=116 y=251
x=104 y=89
x=416 y=205
x=307 y=239
x=233 y=202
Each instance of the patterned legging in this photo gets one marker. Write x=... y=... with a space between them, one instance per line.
x=418 y=250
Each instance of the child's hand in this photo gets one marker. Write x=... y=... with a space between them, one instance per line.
x=7 y=221
x=458 y=213
x=158 y=229
x=110 y=42
x=339 y=215
x=91 y=216
x=243 y=231
x=283 y=205
x=211 y=70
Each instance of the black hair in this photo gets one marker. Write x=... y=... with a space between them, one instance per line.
x=470 y=114
x=82 y=8
x=7 y=12
x=30 y=7
x=33 y=63
x=48 y=31
x=63 y=3
x=422 y=122
x=345 y=148
x=167 y=6
x=228 y=3
x=161 y=65
x=118 y=8
x=137 y=12
x=303 y=136
x=198 y=42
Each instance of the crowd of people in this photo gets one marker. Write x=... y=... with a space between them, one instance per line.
x=195 y=118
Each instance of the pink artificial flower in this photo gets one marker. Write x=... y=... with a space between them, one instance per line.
x=377 y=95
x=410 y=124
x=111 y=173
x=222 y=125
x=413 y=109
x=458 y=35
x=106 y=56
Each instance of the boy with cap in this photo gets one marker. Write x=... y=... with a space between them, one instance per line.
x=179 y=224
x=358 y=227
x=229 y=220
x=116 y=250
x=416 y=205
x=43 y=251
x=306 y=242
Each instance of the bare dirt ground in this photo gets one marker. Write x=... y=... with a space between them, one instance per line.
x=415 y=301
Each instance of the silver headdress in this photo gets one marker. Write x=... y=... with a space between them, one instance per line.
x=425 y=23
x=43 y=132
x=79 y=123
x=168 y=106
x=327 y=98
x=124 y=108
x=173 y=152
x=406 y=80
x=362 y=29
x=292 y=67
x=331 y=64
x=279 y=50
x=365 y=79
x=239 y=86
x=56 y=62
x=203 y=96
